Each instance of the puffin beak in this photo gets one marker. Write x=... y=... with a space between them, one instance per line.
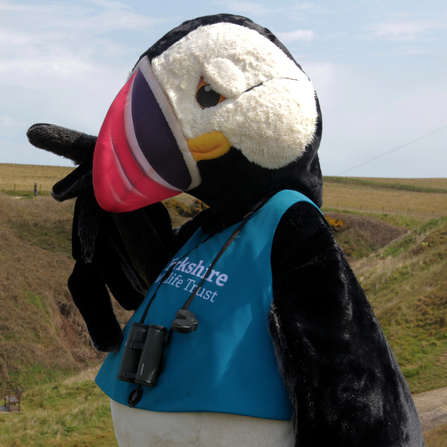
x=141 y=156
x=208 y=146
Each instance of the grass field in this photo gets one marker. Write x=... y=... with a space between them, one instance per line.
x=22 y=177
x=395 y=237
x=432 y=183
x=425 y=198
x=75 y=413
x=69 y=413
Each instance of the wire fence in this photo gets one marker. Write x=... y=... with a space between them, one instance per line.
x=409 y=210
x=426 y=209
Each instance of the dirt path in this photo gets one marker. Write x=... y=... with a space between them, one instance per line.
x=432 y=408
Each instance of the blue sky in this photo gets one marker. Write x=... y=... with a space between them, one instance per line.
x=379 y=68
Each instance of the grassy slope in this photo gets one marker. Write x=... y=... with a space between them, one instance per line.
x=41 y=333
x=405 y=282
x=70 y=413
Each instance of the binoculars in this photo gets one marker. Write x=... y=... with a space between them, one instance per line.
x=142 y=360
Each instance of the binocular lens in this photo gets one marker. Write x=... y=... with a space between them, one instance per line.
x=132 y=352
x=151 y=356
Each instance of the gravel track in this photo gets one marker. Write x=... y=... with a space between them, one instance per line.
x=432 y=408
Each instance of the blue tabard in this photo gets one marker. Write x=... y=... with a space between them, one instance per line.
x=228 y=365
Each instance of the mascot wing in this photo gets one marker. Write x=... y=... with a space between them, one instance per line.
x=342 y=377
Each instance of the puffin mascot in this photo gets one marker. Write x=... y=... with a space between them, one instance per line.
x=250 y=328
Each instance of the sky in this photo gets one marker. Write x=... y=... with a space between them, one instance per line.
x=379 y=68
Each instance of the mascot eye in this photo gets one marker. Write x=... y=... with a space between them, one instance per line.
x=206 y=96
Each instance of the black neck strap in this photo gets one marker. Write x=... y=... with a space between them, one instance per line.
x=210 y=268
x=218 y=256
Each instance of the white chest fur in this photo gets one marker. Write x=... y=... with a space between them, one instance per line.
x=141 y=428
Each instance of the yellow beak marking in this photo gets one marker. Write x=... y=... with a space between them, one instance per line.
x=208 y=146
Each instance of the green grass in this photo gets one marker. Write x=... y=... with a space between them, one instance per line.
x=409 y=222
x=54 y=236
x=400 y=220
x=36 y=301
x=64 y=414
x=75 y=413
x=406 y=284
x=29 y=376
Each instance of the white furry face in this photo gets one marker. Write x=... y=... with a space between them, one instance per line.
x=269 y=113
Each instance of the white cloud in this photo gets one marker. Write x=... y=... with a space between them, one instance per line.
x=50 y=71
x=48 y=45
x=302 y=35
x=404 y=30
x=107 y=16
x=63 y=62
x=58 y=64
x=310 y=8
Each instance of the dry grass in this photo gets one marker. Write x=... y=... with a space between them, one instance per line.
x=86 y=374
x=39 y=326
x=42 y=334
x=406 y=283
x=422 y=204
x=360 y=235
x=437 y=437
x=43 y=339
x=336 y=195
x=22 y=177
x=440 y=183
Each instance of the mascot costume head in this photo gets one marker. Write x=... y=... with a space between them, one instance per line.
x=250 y=328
